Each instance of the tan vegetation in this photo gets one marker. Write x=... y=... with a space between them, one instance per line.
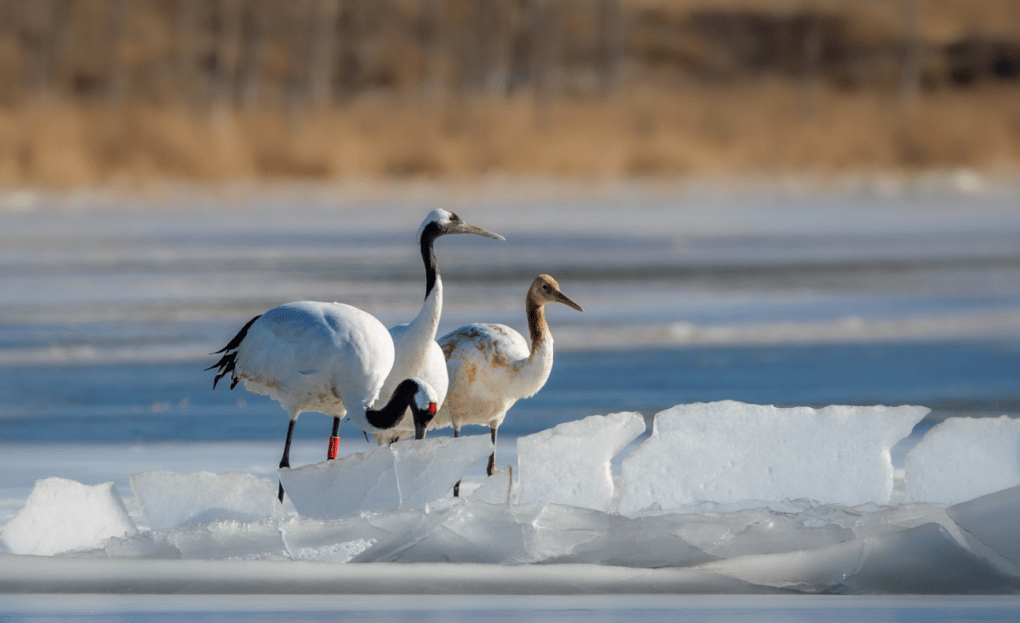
x=93 y=91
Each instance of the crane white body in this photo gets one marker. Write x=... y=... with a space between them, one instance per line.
x=329 y=358
x=325 y=357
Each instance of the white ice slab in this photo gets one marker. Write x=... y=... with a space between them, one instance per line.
x=728 y=451
x=407 y=474
x=171 y=500
x=495 y=489
x=62 y=515
x=341 y=488
x=964 y=458
x=427 y=469
x=570 y=463
x=991 y=529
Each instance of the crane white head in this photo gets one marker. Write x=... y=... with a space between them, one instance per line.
x=545 y=289
x=440 y=222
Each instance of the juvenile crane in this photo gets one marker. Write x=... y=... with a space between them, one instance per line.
x=325 y=357
x=491 y=367
x=417 y=353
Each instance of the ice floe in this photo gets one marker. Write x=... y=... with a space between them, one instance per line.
x=392 y=506
x=728 y=451
x=962 y=458
x=406 y=474
x=570 y=463
x=171 y=500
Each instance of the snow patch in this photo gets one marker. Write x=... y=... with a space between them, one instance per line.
x=62 y=515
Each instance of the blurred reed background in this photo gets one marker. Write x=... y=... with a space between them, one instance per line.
x=100 y=91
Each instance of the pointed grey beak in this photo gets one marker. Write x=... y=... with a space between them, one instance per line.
x=468 y=228
x=563 y=298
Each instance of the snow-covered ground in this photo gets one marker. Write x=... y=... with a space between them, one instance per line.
x=108 y=310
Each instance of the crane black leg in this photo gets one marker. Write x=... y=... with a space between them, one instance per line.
x=456 y=487
x=285 y=461
x=492 y=457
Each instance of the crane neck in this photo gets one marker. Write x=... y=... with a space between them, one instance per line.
x=428 y=256
x=402 y=399
x=537 y=326
x=426 y=322
x=389 y=414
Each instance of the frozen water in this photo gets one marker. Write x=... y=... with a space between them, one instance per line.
x=643 y=542
x=230 y=540
x=342 y=487
x=727 y=452
x=964 y=458
x=989 y=525
x=496 y=488
x=62 y=515
x=570 y=463
x=427 y=469
x=406 y=474
x=800 y=545
x=924 y=560
x=331 y=541
x=171 y=500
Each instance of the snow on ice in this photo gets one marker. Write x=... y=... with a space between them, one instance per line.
x=962 y=458
x=739 y=533
x=728 y=451
x=62 y=515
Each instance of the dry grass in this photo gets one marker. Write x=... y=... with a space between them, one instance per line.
x=763 y=130
x=174 y=89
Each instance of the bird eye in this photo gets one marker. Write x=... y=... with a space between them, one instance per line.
x=545 y=287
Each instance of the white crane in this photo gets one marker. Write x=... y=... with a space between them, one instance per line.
x=491 y=367
x=325 y=357
x=417 y=353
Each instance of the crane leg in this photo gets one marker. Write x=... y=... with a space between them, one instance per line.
x=456 y=487
x=285 y=461
x=492 y=457
x=334 y=441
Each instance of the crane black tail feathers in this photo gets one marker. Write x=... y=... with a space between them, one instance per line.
x=234 y=343
x=225 y=366
x=227 y=363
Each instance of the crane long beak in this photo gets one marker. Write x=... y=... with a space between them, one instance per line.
x=563 y=298
x=468 y=228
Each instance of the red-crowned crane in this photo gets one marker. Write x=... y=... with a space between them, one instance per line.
x=325 y=357
x=417 y=353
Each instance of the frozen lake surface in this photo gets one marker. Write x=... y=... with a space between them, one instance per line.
x=108 y=310
x=536 y=608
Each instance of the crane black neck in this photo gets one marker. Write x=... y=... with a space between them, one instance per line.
x=392 y=411
x=428 y=237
